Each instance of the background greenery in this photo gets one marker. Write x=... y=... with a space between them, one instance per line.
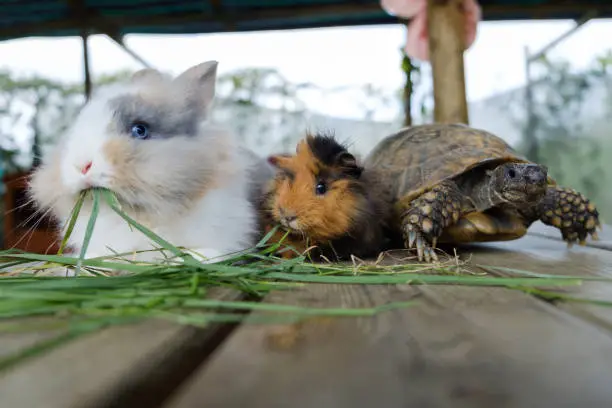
x=568 y=128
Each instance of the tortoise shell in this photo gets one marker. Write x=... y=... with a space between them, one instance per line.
x=417 y=158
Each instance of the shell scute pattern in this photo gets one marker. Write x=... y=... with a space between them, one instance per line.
x=417 y=158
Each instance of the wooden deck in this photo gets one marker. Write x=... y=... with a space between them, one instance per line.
x=459 y=347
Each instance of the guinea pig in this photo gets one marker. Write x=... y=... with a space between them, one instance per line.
x=325 y=202
x=150 y=142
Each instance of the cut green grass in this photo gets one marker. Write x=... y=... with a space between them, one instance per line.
x=178 y=287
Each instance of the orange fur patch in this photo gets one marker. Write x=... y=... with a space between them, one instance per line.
x=119 y=152
x=319 y=217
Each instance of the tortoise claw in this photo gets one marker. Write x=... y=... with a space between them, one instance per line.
x=425 y=252
x=419 y=245
x=425 y=218
x=412 y=235
x=430 y=255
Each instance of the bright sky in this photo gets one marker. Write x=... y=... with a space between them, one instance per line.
x=328 y=57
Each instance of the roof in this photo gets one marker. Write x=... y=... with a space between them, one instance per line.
x=24 y=18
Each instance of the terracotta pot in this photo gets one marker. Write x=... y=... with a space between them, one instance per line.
x=23 y=230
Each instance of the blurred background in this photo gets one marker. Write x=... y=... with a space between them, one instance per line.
x=348 y=75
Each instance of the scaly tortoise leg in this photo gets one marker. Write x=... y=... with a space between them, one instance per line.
x=425 y=218
x=571 y=212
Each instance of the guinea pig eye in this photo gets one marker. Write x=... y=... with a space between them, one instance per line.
x=321 y=188
x=140 y=131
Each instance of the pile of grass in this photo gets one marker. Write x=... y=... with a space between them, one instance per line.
x=179 y=287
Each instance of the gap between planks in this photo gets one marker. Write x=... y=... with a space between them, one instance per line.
x=459 y=346
x=122 y=366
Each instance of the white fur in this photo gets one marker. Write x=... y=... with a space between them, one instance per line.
x=221 y=221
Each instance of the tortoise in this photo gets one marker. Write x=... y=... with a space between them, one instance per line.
x=452 y=183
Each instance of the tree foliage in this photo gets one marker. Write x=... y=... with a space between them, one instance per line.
x=40 y=109
x=566 y=126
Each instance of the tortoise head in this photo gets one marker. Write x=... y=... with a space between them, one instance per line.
x=519 y=183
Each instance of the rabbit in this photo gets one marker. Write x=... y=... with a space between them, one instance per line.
x=149 y=141
x=323 y=197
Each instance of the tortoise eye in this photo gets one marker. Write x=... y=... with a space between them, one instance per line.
x=320 y=188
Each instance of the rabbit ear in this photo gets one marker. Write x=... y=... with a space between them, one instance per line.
x=200 y=80
x=146 y=74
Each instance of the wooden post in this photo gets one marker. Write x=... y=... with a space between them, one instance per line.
x=84 y=36
x=445 y=23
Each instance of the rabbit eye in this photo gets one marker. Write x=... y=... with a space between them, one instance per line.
x=321 y=188
x=140 y=131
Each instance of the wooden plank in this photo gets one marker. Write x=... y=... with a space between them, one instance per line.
x=14 y=341
x=122 y=366
x=551 y=256
x=459 y=347
x=604 y=242
x=445 y=23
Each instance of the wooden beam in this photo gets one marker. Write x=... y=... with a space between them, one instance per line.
x=446 y=46
x=588 y=16
x=272 y=13
x=490 y=13
x=119 y=41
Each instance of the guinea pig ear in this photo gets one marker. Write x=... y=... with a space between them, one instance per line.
x=200 y=81
x=279 y=160
x=302 y=144
x=348 y=164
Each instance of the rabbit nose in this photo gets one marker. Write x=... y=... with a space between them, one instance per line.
x=85 y=169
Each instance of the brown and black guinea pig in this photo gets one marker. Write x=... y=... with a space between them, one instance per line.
x=326 y=201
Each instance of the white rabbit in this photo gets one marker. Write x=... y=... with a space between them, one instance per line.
x=149 y=141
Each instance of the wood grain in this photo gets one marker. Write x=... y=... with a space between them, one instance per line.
x=122 y=366
x=545 y=231
x=550 y=256
x=459 y=347
x=15 y=337
x=445 y=21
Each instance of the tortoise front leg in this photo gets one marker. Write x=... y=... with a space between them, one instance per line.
x=424 y=219
x=571 y=212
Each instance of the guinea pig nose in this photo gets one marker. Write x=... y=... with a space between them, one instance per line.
x=287 y=215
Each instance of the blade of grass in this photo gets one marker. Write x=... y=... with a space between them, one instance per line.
x=89 y=230
x=113 y=203
x=277 y=308
x=552 y=296
x=73 y=218
x=544 y=275
x=422 y=279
